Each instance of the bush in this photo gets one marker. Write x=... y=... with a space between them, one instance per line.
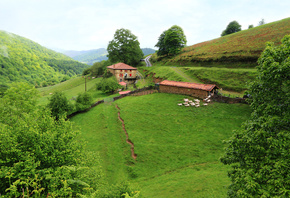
x=108 y=85
x=83 y=101
x=59 y=105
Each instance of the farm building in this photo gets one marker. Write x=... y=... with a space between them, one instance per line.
x=186 y=88
x=123 y=72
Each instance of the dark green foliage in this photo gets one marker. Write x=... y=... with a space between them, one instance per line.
x=97 y=69
x=232 y=27
x=125 y=48
x=250 y=26
x=22 y=60
x=33 y=146
x=3 y=88
x=59 y=105
x=83 y=101
x=259 y=153
x=108 y=85
x=171 y=41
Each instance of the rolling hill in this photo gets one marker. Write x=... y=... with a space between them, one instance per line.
x=239 y=49
x=22 y=60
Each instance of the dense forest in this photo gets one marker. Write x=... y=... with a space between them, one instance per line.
x=22 y=60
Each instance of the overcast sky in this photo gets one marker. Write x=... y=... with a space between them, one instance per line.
x=91 y=24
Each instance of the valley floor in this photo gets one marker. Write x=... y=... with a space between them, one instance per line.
x=178 y=148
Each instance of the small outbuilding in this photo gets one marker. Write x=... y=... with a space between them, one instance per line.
x=187 y=88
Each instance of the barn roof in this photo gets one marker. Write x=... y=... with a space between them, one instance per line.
x=206 y=87
x=121 y=66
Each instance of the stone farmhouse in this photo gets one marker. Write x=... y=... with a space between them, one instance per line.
x=123 y=72
x=186 y=88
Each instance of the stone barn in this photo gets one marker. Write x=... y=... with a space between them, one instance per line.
x=123 y=72
x=193 y=89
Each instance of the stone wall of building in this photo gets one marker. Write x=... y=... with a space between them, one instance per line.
x=120 y=75
x=185 y=91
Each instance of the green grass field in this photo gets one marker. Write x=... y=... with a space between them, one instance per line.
x=72 y=88
x=178 y=148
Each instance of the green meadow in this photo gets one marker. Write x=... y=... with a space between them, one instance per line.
x=178 y=148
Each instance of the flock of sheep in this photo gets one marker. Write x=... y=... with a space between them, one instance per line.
x=195 y=102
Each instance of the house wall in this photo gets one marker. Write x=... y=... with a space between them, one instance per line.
x=120 y=74
x=185 y=91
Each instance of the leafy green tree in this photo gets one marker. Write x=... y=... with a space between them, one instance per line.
x=108 y=85
x=34 y=147
x=250 y=26
x=59 y=105
x=259 y=153
x=125 y=48
x=83 y=101
x=171 y=41
x=232 y=27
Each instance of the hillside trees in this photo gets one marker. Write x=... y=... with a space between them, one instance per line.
x=171 y=41
x=33 y=146
x=259 y=153
x=22 y=60
x=125 y=48
x=232 y=27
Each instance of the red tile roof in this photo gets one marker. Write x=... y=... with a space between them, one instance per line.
x=206 y=87
x=121 y=66
x=123 y=83
x=124 y=92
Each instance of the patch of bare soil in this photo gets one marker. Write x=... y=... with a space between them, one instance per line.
x=133 y=154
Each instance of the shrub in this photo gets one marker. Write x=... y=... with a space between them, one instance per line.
x=59 y=105
x=83 y=101
x=108 y=85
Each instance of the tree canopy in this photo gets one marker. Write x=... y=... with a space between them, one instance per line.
x=125 y=48
x=232 y=27
x=171 y=41
x=259 y=153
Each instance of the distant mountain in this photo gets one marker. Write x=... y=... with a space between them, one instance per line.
x=22 y=60
x=96 y=55
x=147 y=51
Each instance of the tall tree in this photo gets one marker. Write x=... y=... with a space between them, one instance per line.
x=171 y=41
x=125 y=48
x=259 y=153
x=232 y=27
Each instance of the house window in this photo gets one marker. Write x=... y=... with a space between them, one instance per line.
x=125 y=70
x=121 y=70
x=130 y=70
x=121 y=75
x=130 y=74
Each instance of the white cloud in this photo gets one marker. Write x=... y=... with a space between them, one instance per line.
x=91 y=24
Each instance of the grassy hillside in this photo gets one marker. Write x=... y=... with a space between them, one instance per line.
x=239 y=49
x=177 y=148
x=24 y=60
x=229 y=79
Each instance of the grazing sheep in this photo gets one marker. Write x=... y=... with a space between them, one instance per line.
x=179 y=104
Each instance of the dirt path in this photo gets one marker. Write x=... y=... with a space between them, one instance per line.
x=188 y=78
x=133 y=154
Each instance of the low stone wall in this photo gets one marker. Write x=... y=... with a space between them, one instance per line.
x=219 y=98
